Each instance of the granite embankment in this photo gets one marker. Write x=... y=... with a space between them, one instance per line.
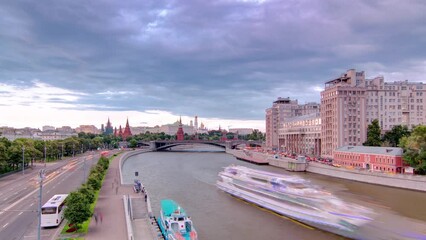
x=406 y=181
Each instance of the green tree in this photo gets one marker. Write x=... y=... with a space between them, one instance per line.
x=373 y=134
x=133 y=143
x=395 y=134
x=415 y=149
x=4 y=145
x=78 y=208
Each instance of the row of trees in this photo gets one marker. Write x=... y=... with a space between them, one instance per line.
x=11 y=152
x=412 y=142
x=213 y=135
x=78 y=202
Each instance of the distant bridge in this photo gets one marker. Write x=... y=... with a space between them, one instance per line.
x=165 y=144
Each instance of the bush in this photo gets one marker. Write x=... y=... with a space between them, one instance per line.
x=95 y=181
x=88 y=192
x=78 y=208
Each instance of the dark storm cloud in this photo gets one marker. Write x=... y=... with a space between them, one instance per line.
x=225 y=59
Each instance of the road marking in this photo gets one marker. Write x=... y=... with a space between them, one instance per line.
x=20 y=213
x=31 y=193
x=31 y=204
x=5 y=225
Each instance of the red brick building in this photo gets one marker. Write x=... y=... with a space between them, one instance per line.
x=377 y=159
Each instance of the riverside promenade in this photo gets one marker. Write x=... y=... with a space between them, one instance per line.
x=110 y=205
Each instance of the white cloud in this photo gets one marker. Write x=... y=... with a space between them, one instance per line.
x=43 y=104
x=38 y=95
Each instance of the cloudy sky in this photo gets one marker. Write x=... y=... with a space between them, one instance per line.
x=79 y=62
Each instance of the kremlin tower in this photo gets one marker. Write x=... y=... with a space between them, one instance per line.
x=180 y=134
x=109 y=130
x=127 y=133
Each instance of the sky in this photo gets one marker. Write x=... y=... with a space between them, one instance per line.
x=79 y=62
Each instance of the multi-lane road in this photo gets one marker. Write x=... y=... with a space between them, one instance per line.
x=19 y=195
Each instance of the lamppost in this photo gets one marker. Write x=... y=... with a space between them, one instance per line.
x=84 y=170
x=23 y=160
x=45 y=153
x=40 y=179
x=62 y=151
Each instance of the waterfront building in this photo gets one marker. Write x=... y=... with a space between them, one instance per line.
x=241 y=131
x=376 y=159
x=395 y=103
x=180 y=136
x=87 y=129
x=350 y=103
x=142 y=130
x=281 y=109
x=301 y=135
x=343 y=112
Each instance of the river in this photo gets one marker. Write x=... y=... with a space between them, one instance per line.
x=189 y=178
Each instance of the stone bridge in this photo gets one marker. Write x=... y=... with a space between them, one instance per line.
x=165 y=144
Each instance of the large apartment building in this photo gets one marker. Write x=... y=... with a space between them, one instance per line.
x=343 y=112
x=348 y=104
x=395 y=103
x=283 y=109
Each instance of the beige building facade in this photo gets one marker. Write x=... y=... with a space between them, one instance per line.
x=343 y=112
x=301 y=135
x=396 y=103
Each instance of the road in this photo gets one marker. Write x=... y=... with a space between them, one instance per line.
x=19 y=195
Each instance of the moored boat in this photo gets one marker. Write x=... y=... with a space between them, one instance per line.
x=294 y=197
x=174 y=223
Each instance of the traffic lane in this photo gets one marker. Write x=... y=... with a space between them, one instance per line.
x=28 y=184
x=69 y=183
x=12 y=220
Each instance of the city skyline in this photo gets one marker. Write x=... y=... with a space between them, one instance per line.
x=225 y=61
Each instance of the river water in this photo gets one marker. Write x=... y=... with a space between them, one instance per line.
x=189 y=178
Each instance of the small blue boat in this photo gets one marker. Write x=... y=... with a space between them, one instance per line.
x=174 y=223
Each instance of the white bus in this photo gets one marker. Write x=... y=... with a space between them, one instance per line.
x=52 y=212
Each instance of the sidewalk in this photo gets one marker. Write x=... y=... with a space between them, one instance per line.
x=110 y=204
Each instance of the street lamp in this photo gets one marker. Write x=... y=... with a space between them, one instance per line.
x=40 y=179
x=84 y=170
x=44 y=153
x=23 y=159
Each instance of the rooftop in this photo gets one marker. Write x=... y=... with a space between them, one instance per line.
x=391 y=151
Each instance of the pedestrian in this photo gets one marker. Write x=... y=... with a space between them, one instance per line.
x=100 y=217
x=146 y=196
x=116 y=190
x=95 y=215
